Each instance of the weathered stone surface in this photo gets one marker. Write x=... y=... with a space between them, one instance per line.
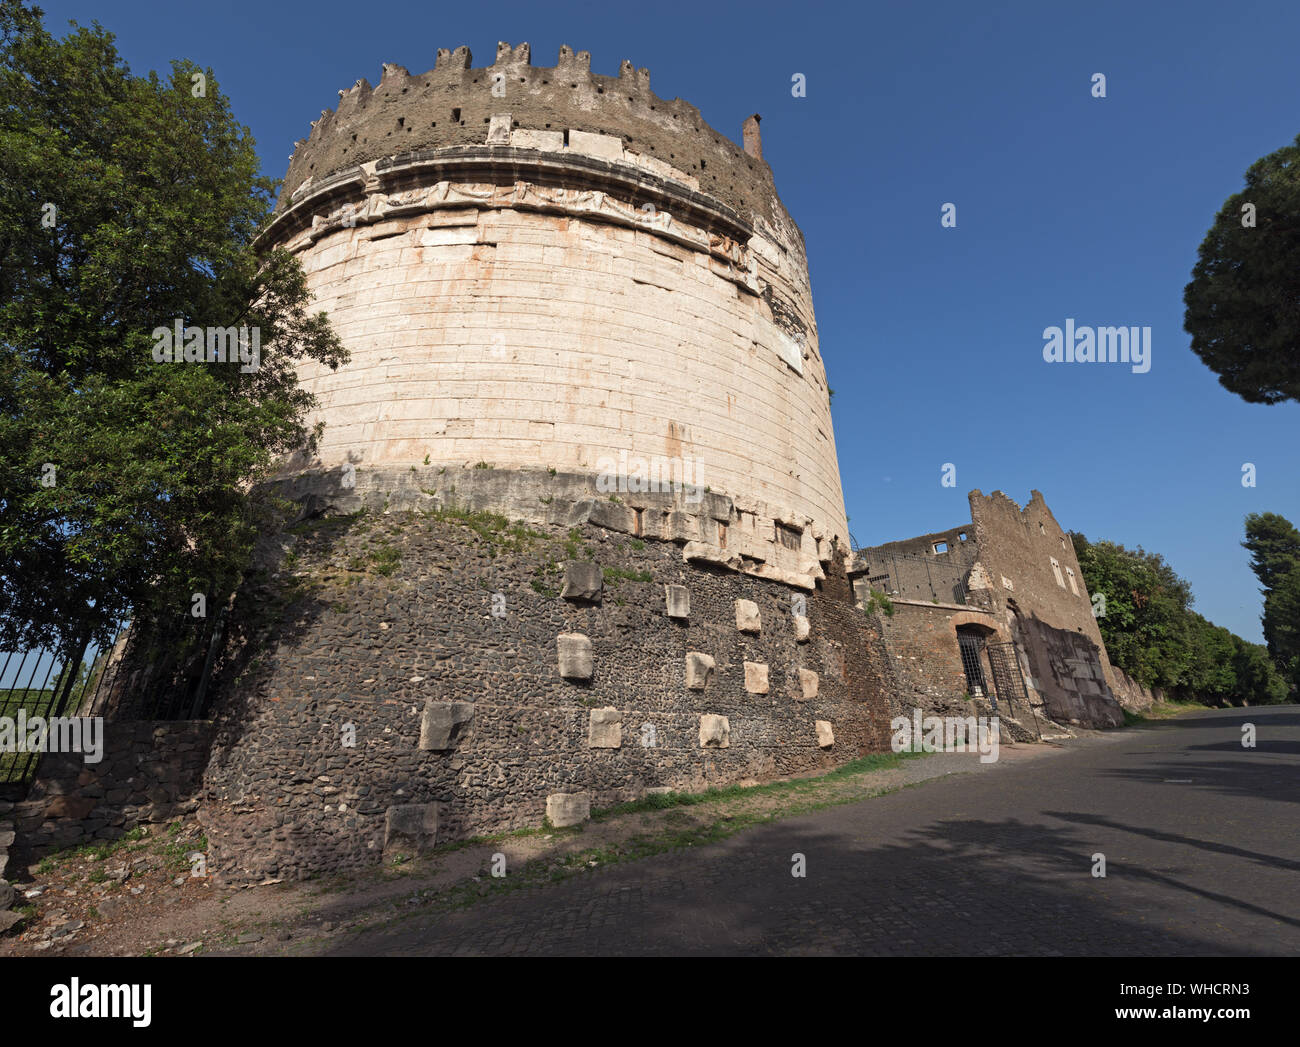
x=583 y=582
x=825 y=735
x=411 y=828
x=748 y=619
x=442 y=724
x=809 y=682
x=699 y=670
x=574 y=656
x=756 y=677
x=801 y=628
x=499 y=129
x=715 y=731
x=564 y=809
x=282 y=798
x=72 y=807
x=678 y=599
x=605 y=728
x=546 y=141
x=6 y=895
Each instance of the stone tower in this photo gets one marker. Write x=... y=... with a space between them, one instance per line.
x=546 y=270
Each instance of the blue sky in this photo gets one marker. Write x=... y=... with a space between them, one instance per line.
x=1067 y=206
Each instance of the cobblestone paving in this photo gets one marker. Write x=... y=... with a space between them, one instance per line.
x=1201 y=839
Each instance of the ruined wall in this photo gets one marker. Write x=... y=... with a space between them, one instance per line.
x=452 y=105
x=1049 y=617
x=572 y=274
x=387 y=623
x=150 y=772
x=1134 y=696
x=925 y=658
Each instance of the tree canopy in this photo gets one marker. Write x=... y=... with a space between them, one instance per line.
x=1243 y=304
x=130 y=204
x=1151 y=632
x=1274 y=545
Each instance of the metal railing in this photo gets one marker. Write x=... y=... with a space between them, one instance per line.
x=154 y=674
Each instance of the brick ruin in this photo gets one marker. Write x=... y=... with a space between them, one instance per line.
x=983 y=607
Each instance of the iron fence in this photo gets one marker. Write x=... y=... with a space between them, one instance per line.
x=161 y=672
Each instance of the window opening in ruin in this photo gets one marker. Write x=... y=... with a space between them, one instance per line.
x=1056 y=570
x=940 y=547
x=455 y=116
x=1073 y=587
x=961 y=537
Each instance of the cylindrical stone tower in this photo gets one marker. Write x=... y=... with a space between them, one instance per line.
x=554 y=271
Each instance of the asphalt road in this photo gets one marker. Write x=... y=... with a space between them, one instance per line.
x=1201 y=839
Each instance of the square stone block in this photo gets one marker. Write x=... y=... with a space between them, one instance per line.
x=411 y=828
x=563 y=809
x=442 y=724
x=715 y=732
x=678 y=598
x=583 y=581
x=809 y=681
x=574 y=656
x=825 y=736
x=699 y=670
x=605 y=147
x=499 y=129
x=748 y=619
x=547 y=141
x=605 y=728
x=756 y=678
x=801 y=628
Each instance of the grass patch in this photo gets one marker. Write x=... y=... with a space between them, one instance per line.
x=615 y=575
x=1163 y=711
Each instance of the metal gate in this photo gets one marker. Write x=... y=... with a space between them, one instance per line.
x=970 y=645
x=1008 y=681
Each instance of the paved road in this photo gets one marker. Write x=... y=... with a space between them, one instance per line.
x=1201 y=838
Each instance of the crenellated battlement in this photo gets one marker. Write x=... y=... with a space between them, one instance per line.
x=453 y=105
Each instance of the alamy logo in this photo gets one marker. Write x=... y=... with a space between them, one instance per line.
x=645 y=475
x=196 y=345
x=1085 y=345
x=936 y=734
x=75 y=1000
x=59 y=734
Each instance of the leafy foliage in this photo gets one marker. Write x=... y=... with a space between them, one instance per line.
x=1243 y=304
x=1151 y=632
x=129 y=203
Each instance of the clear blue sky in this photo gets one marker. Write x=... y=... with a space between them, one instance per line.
x=1067 y=206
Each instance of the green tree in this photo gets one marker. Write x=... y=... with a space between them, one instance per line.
x=1145 y=625
x=128 y=203
x=1282 y=625
x=1258 y=680
x=1243 y=304
x=1274 y=545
